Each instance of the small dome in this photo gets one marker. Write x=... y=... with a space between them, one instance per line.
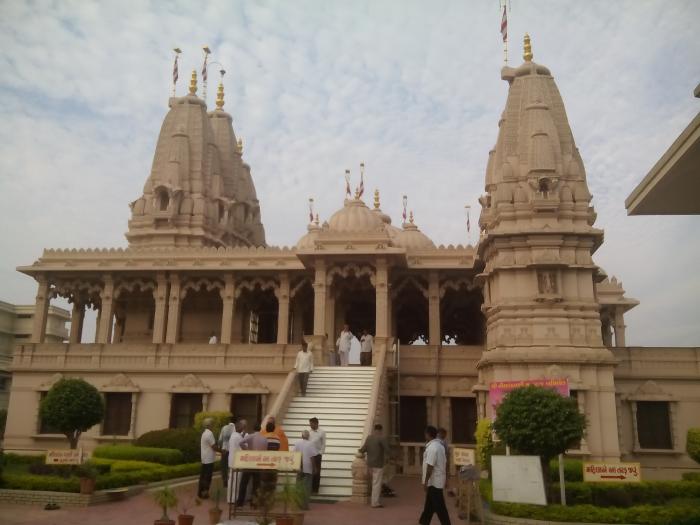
x=355 y=216
x=308 y=241
x=411 y=238
x=392 y=230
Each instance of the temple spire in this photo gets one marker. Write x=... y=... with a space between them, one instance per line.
x=527 y=49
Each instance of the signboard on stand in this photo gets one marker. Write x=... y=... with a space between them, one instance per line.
x=64 y=457
x=518 y=479
x=267 y=460
x=612 y=472
x=463 y=456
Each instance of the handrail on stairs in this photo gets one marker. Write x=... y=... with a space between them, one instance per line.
x=377 y=385
x=287 y=392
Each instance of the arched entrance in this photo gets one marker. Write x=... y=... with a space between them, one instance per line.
x=462 y=322
x=410 y=311
x=354 y=299
x=257 y=308
x=202 y=310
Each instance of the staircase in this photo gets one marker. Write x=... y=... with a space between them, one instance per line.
x=339 y=398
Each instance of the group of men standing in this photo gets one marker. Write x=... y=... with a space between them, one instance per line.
x=344 y=344
x=234 y=436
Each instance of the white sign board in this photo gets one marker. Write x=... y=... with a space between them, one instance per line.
x=518 y=479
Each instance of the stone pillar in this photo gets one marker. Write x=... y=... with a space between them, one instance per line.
x=330 y=313
x=160 y=296
x=381 y=289
x=360 y=480
x=172 y=333
x=76 y=321
x=104 y=334
x=283 y=309
x=320 y=290
x=619 y=327
x=41 y=310
x=434 y=308
x=228 y=296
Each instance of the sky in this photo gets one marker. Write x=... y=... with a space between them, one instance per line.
x=410 y=88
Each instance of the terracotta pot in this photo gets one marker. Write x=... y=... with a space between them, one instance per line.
x=284 y=520
x=164 y=522
x=87 y=485
x=215 y=516
x=185 y=519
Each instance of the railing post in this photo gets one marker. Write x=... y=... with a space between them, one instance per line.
x=360 y=480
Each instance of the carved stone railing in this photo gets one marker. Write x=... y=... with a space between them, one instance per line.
x=285 y=396
x=657 y=362
x=411 y=459
x=140 y=357
x=445 y=360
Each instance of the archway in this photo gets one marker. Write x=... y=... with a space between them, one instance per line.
x=202 y=311
x=410 y=312
x=134 y=313
x=258 y=310
x=462 y=321
x=301 y=309
x=355 y=304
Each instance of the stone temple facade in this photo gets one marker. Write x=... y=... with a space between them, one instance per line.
x=528 y=302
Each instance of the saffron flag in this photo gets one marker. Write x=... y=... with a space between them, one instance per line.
x=175 y=75
x=348 y=191
x=468 y=223
x=504 y=24
x=311 y=210
x=204 y=67
x=362 y=185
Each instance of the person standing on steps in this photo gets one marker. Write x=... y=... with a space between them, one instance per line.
x=434 y=479
x=318 y=438
x=367 y=346
x=305 y=475
x=344 y=343
x=208 y=457
x=377 y=450
x=304 y=366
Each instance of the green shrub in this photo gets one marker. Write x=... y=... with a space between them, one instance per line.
x=21 y=459
x=186 y=440
x=124 y=465
x=3 y=421
x=135 y=477
x=691 y=476
x=219 y=419
x=629 y=494
x=573 y=469
x=692 y=444
x=35 y=482
x=164 y=456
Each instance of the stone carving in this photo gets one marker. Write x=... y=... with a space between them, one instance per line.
x=120 y=383
x=456 y=284
x=256 y=282
x=133 y=285
x=202 y=284
x=463 y=386
x=191 y=383
x=547 y=282
x=412 y=281
x=248 y=384
x=352 y=269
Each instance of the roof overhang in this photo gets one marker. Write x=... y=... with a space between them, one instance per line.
x=673 y=184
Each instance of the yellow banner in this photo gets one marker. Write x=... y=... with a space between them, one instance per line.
x=612 y=472
x=463 y=456
x=64 y=457
x=267 y=460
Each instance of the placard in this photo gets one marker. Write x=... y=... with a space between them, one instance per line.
x=64 y=457
x=267 y=460
x=463 y=456
x=595 y=472
x=518 y=479
x=499 y=389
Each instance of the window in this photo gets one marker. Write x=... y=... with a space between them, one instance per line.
x=654 y=425
x=247 y=406
x=413 y=419
x=464 y=416
x=183 y=407
x=253 y=328
x=117 y=421
x=44 y=427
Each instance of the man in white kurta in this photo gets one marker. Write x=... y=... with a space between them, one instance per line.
x=234 y=445
x=344 y=343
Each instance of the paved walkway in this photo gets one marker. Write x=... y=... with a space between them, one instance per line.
x=141 y=510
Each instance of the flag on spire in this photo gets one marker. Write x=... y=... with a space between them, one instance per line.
x=311 y=210
x=175 y=72
x=348 y=191
x=361 y=189
x=468 y=222
x=504 y=24
x=405 y=204
x=204 y=66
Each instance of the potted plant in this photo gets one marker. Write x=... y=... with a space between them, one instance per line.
x=186 y=501
x=291 y=495
x=264 y=501
x=215 y=511
x=166 y=499
x=87 y=474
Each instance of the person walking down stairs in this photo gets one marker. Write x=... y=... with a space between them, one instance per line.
x=304 y=366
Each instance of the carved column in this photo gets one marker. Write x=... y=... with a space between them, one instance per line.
x=619 y=327
x=381 y=289
x=283 y=309
x=434 y=307
x=76 y=321
x=41 y=310
x=172 y=333
x=228 y=296
x=320 y=298
x=160 y=296
x=106 y=311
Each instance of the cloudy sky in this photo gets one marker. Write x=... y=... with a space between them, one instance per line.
x=411 y=88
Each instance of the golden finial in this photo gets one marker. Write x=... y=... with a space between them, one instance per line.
x=220 y=96
x=316 y=221
x=239 y=145
x=527 y=49
x=193 y=82
x=410 y=217
x=376 y=199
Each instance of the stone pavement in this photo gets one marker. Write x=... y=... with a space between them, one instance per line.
x=140 y=510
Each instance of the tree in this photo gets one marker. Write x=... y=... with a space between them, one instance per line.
x=539 y=422
x=72 y=406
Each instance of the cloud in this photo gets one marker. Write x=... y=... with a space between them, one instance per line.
x=412 y=89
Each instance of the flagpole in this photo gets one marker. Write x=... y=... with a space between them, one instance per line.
x=207 y=51
x=504 y=29
x=177 y=51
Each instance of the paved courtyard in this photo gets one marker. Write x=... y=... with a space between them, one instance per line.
x=405 y=508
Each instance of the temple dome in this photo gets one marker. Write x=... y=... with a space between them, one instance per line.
x=411 y=238
x=355 y=216
x=308 y=241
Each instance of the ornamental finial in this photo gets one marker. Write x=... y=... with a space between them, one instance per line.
x=410 y=217
x=527 y=49
x=376 y=199
x=220 y=96
x=239 y=146
x=193 y=82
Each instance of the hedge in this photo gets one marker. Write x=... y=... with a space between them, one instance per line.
x=186 y=440
x=39 y=482
x=691 y=476
x=219 y=419
x=124 y=465
x=692 y=445
x=165 y=456
x=629 y=494
x=573 y=469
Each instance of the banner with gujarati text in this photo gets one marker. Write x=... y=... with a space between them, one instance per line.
x=267 y=460
x=499 y=389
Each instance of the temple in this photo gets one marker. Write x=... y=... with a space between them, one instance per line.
x=527 y=302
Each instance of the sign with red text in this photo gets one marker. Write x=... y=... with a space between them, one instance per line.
x=64 y=457
x=463 y=456
x=499 y=389
x=267 y=460
x=612 y=472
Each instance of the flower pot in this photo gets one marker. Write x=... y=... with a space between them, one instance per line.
x=214 y=516
x=164 y=522
x=185 y=519
x=87 y=485
x=284 y=520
